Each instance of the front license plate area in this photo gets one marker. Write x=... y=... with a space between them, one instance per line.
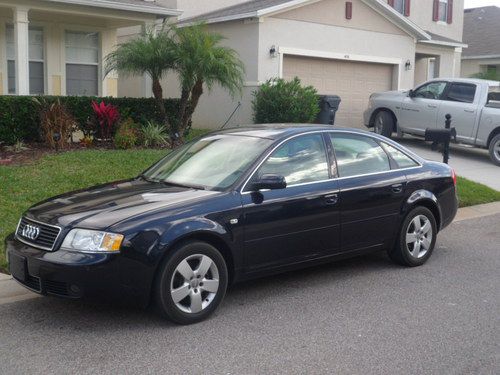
x=18 y=267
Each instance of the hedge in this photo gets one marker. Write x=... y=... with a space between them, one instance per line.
x=19 y=114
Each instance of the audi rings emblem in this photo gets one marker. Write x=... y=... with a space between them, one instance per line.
x=31 y=232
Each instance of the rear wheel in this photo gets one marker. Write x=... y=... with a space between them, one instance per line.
x=384 y=124
x=192 y=283
x=417 y=238
x=495 y=149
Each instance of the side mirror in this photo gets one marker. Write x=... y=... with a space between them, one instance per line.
x=411 y=94
x=269 y=181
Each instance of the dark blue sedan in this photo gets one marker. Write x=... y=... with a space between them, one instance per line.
x=234 y=205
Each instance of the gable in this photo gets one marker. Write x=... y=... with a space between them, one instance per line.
x=332 y=12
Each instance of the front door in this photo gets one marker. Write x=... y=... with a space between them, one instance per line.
x=419 y=111
x=372 y=190
x=299 y=222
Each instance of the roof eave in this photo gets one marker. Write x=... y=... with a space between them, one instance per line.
x=478 y=57
x=444 y=43
x=149 y=9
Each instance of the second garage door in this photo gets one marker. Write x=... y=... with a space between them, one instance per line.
x=352 y=81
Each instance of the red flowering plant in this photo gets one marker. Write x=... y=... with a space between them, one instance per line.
x=107 y=116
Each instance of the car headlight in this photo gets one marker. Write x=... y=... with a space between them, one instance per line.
x=92 y=241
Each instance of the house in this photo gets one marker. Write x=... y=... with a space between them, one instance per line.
x=350 y=48
x=56 y=47
x=482 y=34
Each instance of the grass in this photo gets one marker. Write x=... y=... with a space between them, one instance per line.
x=22 y=186
x=471 y=193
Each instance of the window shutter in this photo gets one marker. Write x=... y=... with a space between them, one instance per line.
x=348 y=10
x=407 y=8
x=450 y=11
x=435 y=10
x=391 y=3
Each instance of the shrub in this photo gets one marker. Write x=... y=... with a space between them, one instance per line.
x=107 y=116
x=154 y=134
x=19 y=115
x=56 y=123
x=280 y=101
x=127 y=135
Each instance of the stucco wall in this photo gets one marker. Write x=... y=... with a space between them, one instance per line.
x=449 y=59
x=192 y=8
x=473 y=66
x=421 y=13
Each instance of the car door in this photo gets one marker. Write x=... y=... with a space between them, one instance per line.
x=299 y=222
x=372 y=190
x=461 y=102
x=419 y=110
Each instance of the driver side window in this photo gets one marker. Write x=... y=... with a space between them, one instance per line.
x=300 y=160
x=432 y=90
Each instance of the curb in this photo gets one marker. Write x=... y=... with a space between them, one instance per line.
x=474 y=212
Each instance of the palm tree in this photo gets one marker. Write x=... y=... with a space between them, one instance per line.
x=152 y=53
x=201 y=60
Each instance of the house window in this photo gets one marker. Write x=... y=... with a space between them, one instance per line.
x=36 y=60
x=399 y=5
x=443 y=10
x=82 y=63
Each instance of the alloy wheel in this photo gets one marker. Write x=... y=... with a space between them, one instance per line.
x=496 y=150
x=419 y=236
x=379 y=124
x=194 y=283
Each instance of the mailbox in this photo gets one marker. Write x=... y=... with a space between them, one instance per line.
x=440 y=135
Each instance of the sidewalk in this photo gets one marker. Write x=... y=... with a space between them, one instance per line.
x=11 y=291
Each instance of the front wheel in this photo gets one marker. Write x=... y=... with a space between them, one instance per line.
x=417 y=238
x=384 y=124
x=191 y=283
x=495 y=149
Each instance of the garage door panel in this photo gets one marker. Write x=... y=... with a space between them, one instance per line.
x=352 y=81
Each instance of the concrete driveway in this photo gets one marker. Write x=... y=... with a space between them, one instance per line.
x=360 y=316
x=469 y=162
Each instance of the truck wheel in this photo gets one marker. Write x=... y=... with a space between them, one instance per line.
x=495 y=149
x=384 y=124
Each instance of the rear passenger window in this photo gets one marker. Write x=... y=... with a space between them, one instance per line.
x=461 y=92
x=357 y=155
x=401 y=159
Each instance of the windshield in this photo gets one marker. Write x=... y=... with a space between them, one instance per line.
x=213 y=162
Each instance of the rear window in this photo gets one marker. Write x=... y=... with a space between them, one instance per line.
x=358 y=155
x=461 y=92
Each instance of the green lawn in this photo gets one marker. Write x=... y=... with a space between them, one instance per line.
x=22 y=186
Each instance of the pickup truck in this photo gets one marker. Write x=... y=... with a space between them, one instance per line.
x=474 y=105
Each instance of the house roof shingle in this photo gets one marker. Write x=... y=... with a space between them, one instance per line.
x=481 y=31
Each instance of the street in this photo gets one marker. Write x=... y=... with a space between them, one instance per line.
x=359 y=316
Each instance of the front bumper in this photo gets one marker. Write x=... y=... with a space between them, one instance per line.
x=76 y=275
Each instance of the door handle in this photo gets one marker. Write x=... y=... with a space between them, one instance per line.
x=331 y=199
x=469 y=110
x=397 y=188
x=431 y=106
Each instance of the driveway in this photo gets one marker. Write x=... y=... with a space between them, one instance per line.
x=364 y=315
x=468 y=162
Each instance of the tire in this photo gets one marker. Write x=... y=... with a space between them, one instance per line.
x=383 y=124
x=407 y=253
x=495 y=149
x=193 y=295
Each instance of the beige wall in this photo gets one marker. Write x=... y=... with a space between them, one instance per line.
x=332 y=12
x=448 y=58
x=421 y=14
x=192 y=8
x=473 y=66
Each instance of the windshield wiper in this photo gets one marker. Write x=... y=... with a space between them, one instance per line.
x=197 y=187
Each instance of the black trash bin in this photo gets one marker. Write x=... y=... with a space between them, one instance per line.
x=328 y=105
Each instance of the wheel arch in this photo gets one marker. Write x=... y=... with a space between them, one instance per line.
x=492 y=135
x=425 y=198
x=384 y=109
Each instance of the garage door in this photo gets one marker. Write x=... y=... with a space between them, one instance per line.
x=352 y=81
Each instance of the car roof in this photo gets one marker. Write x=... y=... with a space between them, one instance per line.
x=469 y=80
x=279 y=131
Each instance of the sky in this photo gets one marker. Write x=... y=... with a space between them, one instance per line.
x=480 y=3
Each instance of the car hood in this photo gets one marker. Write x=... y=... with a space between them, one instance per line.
x=102 y=206
x=389 y=94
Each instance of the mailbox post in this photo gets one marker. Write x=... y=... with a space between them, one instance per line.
x=443 y=136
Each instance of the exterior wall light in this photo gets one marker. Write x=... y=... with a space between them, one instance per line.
x=408 y=65
x=272 y=51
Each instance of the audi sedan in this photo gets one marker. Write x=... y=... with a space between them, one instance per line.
x=234 y=205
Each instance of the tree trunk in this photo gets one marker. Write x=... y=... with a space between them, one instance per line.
x=158 y=94
x=183 y=105
x=196 y=93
